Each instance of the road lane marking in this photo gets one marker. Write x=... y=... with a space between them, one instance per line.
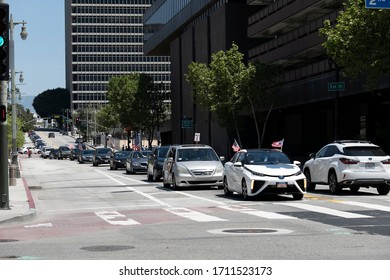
x=257 y=213
x=193 y=215
x=324 y=210
x=158 y=201
x=46 y=225
x=367 y=205
x=115 y=218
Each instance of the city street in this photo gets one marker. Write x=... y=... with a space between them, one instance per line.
x=86 y=212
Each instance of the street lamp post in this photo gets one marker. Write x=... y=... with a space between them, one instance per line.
x=23 y=35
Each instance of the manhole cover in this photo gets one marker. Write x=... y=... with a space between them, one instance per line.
x=8 y=240
x=106 y=248
x=250 y=231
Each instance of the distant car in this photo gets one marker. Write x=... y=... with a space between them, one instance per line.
x=53 y=154
x=79 y=140
x=63 y=152
x=101 y=156
x=192 y=165
x=74 y=153
x=155 y=163
x=258 y=172
x=349 y=164
x=85 y=156
x=46 y=152
x=137 y=161
x=118 y=159
x=51 y=135
x=33 y=150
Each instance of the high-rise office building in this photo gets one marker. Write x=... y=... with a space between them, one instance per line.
x=104 y=38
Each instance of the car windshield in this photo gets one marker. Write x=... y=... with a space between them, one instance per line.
x=364 y=151
x=122 y=154
x=65 y=149
x=88 y=152
x=196 y=154
x=162 y=152
x=103 y=151
x=141 y=154
x=266 y=157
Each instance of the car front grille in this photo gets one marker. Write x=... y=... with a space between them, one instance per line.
x=208 y=172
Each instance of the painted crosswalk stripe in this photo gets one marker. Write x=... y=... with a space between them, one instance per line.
x=193 y=215
x=367 y=205
x=115 y=218
x=325 y=210
x=258 y=213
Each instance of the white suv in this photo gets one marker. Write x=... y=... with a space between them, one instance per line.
x=349 y=164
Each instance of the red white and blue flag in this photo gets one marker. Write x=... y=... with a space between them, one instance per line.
x=235 y=146
x=278 y=144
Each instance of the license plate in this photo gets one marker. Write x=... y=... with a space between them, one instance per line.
x=281 y=185
x=370 y=165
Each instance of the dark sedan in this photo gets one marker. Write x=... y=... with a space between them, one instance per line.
x=137 y=161
x=85 y=156
x=156 y=162
x=118 y=159
x=53 y=154
x=101 y=156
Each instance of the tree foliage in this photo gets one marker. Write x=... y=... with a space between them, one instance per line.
x=359 y=42
x=222 y=86
x=52 y=102
x=137 y=102
x=227 y=87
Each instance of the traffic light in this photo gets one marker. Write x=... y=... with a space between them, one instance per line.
x=3 y=113
x=4 y=41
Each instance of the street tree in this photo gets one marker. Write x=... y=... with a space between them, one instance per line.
x=264 y=84
x=222 y=87
x=51 y=102
x=359 y=41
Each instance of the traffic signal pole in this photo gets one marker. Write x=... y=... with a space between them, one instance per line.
x=4 y=186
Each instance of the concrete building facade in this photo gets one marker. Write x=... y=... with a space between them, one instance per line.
x=104 y=38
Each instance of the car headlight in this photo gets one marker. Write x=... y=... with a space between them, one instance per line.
x=219 y=169
x=257 y=174
x=181 y=169
x=298 y=173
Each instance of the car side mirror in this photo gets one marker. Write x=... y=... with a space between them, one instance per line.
x=297 y=162
x=312 y=155
x=222 y=158
x=238 y=164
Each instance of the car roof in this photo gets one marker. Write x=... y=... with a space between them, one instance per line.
x=183 y=146
x=353 y=143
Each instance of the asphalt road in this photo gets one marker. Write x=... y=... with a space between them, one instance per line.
x=94 y=213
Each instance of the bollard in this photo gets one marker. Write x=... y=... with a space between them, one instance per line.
x=12 y=175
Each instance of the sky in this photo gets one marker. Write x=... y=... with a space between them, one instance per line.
x=41 y=56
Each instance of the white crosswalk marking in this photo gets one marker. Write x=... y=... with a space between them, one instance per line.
x=258 y=213
x=325 y=210
x=193 y=215
x=367 y=205
x=115 y=218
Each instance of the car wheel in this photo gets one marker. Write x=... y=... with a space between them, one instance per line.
x=127 y=171
x=334 y=186
x=354 y=189
x=298 y=196
x=244 y=191
x=226 y=190
x=174 y=185
x=310 y=186
x=383 y=189
x=111 y=168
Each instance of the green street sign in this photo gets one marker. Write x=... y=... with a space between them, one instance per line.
x=186 y=123
x=336 y=86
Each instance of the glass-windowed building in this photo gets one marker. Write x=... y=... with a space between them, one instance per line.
x=104 y=38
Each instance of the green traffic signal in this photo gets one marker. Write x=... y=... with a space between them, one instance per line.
x=1 y=41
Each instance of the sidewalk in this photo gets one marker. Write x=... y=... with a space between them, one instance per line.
x=21 y=203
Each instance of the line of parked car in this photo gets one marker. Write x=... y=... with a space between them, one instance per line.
x=348 y=164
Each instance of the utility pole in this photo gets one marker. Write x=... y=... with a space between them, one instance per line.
x=4 y=186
